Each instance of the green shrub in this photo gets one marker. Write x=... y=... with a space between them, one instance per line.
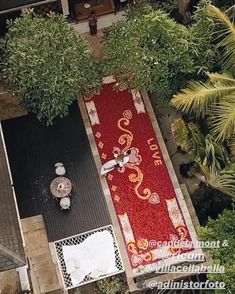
x=223 y=230
x=47 y=63
x=112 y=285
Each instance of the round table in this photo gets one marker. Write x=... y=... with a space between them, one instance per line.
x=61 y=187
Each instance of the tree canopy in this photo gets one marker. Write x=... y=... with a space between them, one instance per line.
x=215 y=97
x=212 y=158
x=149 y=50
x=222 y=229
x=213 y=101
x=47 y=63
x=209 y=202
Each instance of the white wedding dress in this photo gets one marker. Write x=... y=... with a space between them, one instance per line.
x=110 y=165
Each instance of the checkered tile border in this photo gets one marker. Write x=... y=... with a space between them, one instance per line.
x=77 y=239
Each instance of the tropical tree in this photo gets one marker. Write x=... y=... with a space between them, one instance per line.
x=150 y=51
x=47 y=63
x=209 y=202
x=214 y=99
x=223 y=230
x=200 y=31
x=212 y=158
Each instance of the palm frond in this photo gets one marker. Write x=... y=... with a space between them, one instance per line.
x=232 y=146
x=222 y=118
x=215 y=154
x=231 y=11
x=224 y=78
x=226 y=32
x=222 y=180
x=198 y=97
x=180 y=133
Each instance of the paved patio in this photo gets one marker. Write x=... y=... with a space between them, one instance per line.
x=42 y=269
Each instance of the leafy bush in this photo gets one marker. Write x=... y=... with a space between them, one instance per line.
x=203 y=50
x=112 y=285
x=222 y=229
x=209 y=202
x=47 y=63
x=150 y=51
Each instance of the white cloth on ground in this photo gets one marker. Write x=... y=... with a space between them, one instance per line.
x=94 y=257
x=107 y=167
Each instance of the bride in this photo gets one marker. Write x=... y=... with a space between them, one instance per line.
x=118 y=161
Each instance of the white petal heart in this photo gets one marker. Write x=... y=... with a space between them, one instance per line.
x=154 y=198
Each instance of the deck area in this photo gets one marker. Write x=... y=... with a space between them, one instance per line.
x=33 y=149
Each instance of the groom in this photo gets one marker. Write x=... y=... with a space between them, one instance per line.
x=119 y=161
x=122 y=158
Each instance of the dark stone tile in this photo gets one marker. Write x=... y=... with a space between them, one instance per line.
x=33 y=150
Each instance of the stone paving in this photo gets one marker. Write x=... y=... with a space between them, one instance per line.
x=95 y=44
x=165 y=116
x=9 y=282
x=43 y=271
x=10 y=106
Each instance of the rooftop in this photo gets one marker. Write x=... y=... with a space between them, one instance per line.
x=11 y=243
x=13 y=4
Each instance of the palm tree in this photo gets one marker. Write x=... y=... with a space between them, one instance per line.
x=211 y=157
x=215 y=101
x=215 y=98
